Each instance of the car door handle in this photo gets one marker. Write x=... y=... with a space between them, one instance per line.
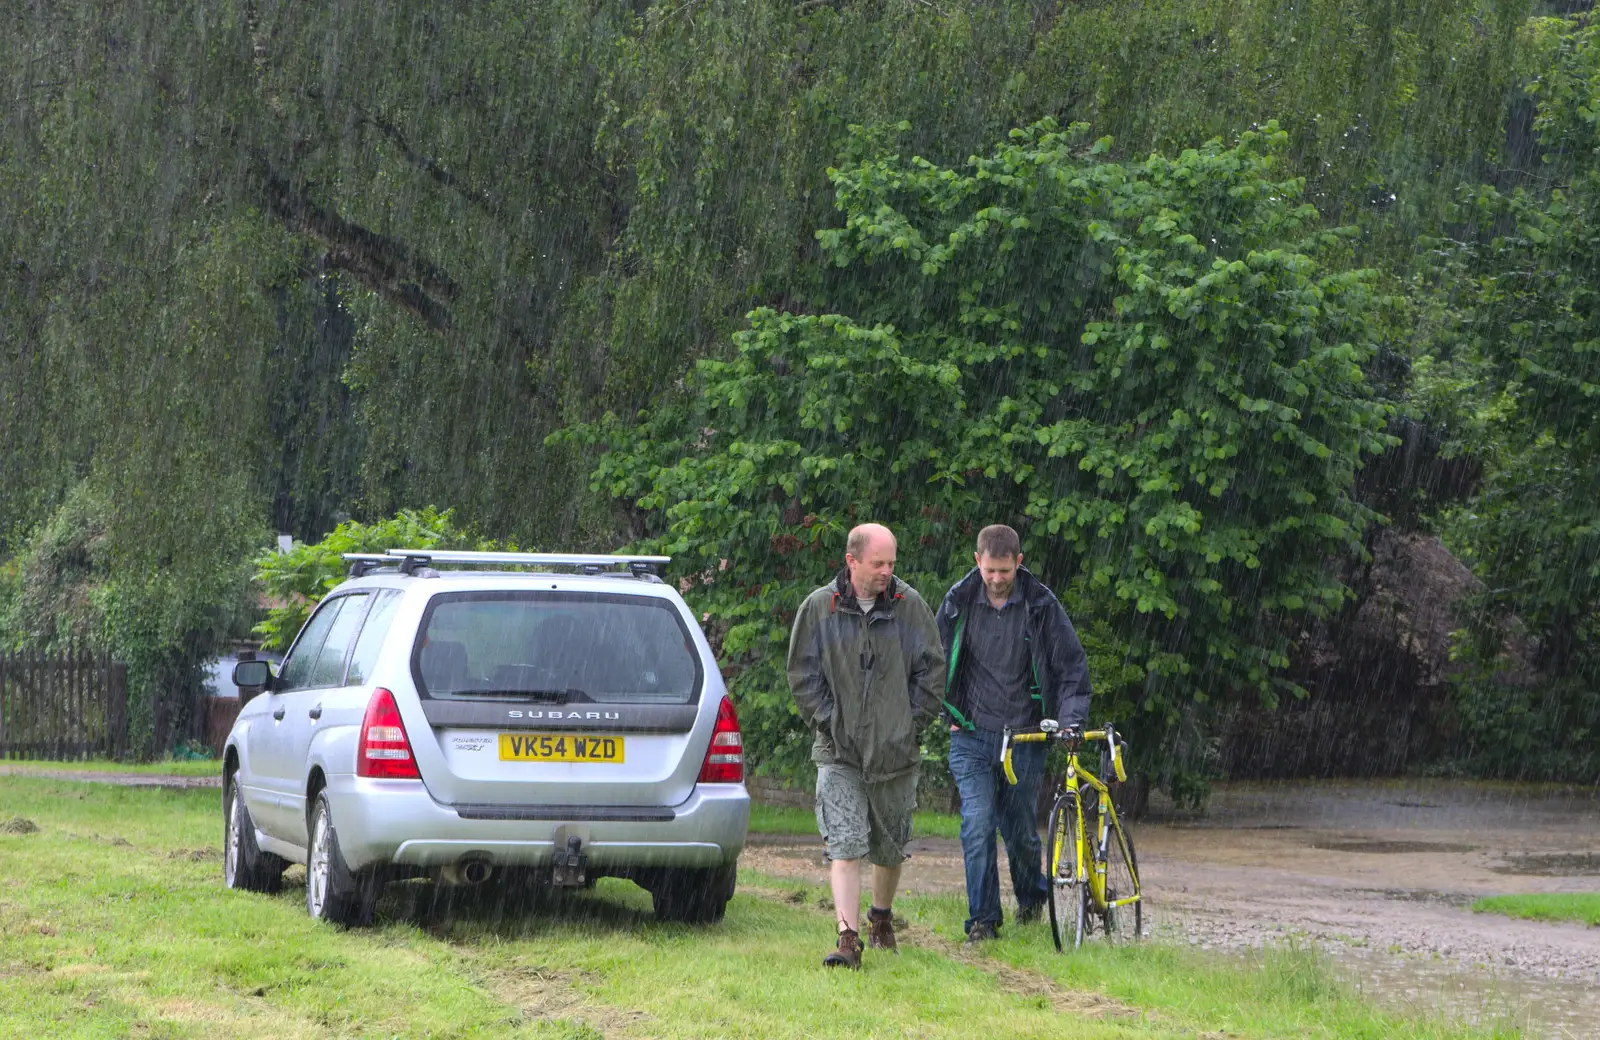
x=316 y=712
x=278 y=714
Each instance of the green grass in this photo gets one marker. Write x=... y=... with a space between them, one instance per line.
x=1556 y=906
x=165 y=767
x=114 y=922
x=784 y=819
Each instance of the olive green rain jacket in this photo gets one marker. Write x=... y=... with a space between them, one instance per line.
x=868 y=683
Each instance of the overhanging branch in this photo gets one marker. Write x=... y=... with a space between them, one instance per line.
x=385 y=265
x=437 y=172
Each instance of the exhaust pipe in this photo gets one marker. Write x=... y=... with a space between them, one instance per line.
x=467 y=872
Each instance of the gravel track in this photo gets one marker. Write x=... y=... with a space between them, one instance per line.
x=120 y=779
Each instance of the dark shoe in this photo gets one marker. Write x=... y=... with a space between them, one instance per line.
x=848 y=955
x=982 y=931
x=1030 y=913
x=880 y=930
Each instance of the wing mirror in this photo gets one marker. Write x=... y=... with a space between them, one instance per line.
x=252 y=678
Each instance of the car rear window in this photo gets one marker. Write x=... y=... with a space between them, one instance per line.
x=555 y=647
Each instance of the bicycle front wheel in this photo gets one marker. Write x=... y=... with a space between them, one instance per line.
x=1122 y=885
x=1069 y=896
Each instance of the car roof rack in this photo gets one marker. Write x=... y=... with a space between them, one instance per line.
x=416 y=561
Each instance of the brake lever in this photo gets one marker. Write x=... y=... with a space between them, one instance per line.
x=1005 y=757
x=1114 y=742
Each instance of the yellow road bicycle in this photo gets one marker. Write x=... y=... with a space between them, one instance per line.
x=1094 y=877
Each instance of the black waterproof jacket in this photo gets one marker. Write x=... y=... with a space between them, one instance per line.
x=1060 y=668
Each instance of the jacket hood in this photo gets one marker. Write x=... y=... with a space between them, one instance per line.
x=842 y=590
x=970 y=587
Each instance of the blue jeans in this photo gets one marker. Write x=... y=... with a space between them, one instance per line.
x=989 y=801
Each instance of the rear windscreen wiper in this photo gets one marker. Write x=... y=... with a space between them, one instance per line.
x=564 y=696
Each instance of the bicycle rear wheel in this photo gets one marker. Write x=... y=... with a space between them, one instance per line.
x=1068 y=895
x=1122 y=882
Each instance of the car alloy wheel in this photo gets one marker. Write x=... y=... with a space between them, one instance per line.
x=317 y=868
x=230 y=852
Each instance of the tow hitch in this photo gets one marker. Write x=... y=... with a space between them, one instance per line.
x=571 y=866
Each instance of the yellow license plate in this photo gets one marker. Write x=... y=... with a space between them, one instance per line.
x=559 y=747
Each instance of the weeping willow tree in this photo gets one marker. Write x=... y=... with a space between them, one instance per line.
x=368 y=254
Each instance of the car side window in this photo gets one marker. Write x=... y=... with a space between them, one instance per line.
x=296 y=670
x=329 y=669
x=365 y=657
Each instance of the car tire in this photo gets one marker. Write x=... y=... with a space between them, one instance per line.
x=245 y=867
x=334 y=893
x=693 y=896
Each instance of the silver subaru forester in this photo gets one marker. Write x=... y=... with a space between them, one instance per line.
x=545 y=725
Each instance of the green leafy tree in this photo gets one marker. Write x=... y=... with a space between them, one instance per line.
x=295 y=581
x=1522 y=285
x=77 y=584
x=1152 y=368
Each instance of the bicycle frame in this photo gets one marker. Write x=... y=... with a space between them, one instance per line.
x=1093 y=872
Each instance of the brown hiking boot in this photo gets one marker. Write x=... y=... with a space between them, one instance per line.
x=848 y=955
x=880 y=930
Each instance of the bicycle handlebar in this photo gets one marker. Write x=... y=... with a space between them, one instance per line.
x=1041 y=737
x=1109 y=735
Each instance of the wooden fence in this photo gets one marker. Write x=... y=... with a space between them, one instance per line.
x=63 y=706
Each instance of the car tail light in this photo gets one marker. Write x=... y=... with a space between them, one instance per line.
x=725 y=757
x=385 y=750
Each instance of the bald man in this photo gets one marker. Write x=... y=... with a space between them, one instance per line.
x=866 y=668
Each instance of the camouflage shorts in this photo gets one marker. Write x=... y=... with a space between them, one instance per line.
x=859 y=819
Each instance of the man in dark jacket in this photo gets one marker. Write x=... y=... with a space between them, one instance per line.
x=1014 y=659
x=865 y=669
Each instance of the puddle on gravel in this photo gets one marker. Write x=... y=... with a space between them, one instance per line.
x=1422 y=897
x=1552 y=864
x=1392 y=847
x=1383 y=805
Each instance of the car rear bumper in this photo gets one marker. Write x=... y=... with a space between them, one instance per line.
x=397 y=822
